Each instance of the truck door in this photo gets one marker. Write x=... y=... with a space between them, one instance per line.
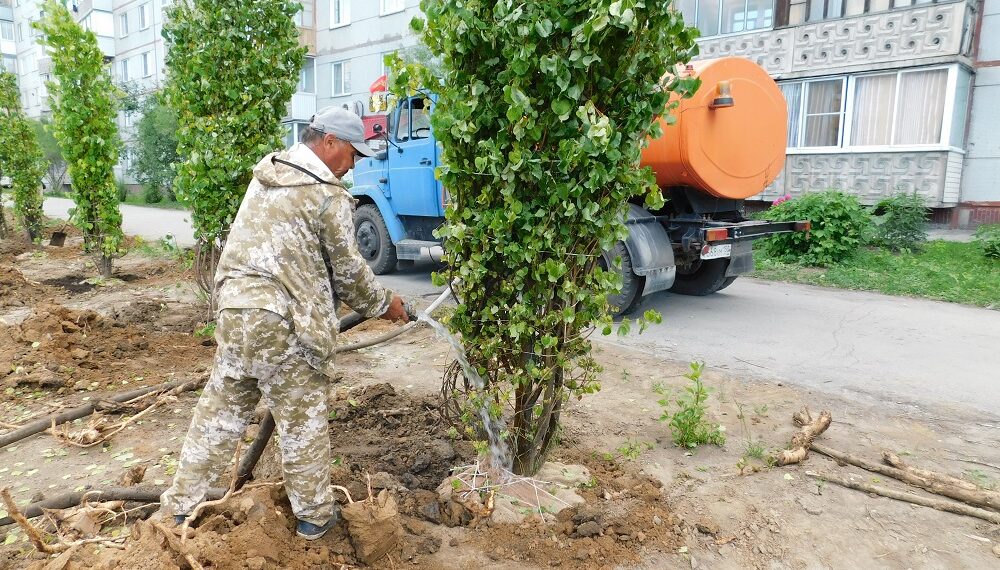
x=414 y=190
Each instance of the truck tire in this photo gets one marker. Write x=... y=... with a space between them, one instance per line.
x=624 y=301
x=373 y=240
x=702 y=278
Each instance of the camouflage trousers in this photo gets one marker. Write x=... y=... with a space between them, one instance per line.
x=256 y=359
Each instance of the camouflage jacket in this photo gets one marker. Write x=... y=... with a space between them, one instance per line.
x=275 y=256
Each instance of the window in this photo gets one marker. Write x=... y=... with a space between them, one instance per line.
x=340 y=13
x=342 y=78
x=391 y=6
x=385 y=68
x=10 y=63
x=6 y=30
x=414 y=120
x=904 y=108
x=715 y=17
x=20 y=31
x=307 y=77
x=123 y=25
x=129 y=119
x=123 y=70
x=147 y=69
x=143 y=16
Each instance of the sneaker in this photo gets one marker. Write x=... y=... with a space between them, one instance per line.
x=310 y=531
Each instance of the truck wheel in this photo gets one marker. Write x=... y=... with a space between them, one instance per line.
x=702 y=277
x=626 y=299
x=373 y=240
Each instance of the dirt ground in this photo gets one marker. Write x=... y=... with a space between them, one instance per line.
x=650 y=504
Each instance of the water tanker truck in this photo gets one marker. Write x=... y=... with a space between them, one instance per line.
x=727 y=144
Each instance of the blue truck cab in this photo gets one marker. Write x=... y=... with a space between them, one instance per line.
x=400 y=202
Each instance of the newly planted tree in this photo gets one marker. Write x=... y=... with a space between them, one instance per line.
x=20 y=160
x=156 y=150
x=542 y=110
x=55 y=168
x=232 y=69
x=84 y=107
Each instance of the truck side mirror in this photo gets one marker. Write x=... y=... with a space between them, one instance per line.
x=382 y=155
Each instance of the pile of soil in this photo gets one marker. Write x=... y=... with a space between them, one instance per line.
x=16 y=291
x=57 y=347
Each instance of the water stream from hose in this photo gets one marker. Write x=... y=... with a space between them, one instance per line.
x=500 y=455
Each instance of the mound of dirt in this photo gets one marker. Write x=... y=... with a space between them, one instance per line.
x=58 y=347
x=16 y=291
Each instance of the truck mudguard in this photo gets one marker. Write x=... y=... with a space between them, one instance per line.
x=649 y=247
x=392 y=221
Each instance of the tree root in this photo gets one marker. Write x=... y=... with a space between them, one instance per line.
x=936 y=483
x=45 y=423
x=798 y=450
x=939 y=504
x=35 y=535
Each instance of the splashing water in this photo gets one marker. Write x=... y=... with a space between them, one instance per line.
x=500 y=456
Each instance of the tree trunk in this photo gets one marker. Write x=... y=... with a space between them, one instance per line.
x=105 y=265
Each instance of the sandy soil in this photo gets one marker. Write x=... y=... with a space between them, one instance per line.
x=654 y=505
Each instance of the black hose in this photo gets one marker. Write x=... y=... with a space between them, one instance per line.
x=45 y=423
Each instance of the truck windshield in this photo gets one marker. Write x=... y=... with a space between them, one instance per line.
x=414 y=120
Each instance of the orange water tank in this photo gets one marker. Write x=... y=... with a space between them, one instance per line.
x=729 y=151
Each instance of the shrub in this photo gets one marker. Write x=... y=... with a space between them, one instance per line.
x=988 y=238
x=839 y=223
x=122 y=190
x=900 y=222
x=688 y=425
x=152 y=195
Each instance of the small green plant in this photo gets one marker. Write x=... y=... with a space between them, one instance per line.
x=839 y=226
x=333 y=415
x=688 y=425
x=631 y=450
x=206 y=331
x=752 y=448
x=899 y=223
x=987 y=237
x=981 y=479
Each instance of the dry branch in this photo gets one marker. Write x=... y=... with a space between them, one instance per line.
x=33 y=533
x=798 y=450
x=939 y=504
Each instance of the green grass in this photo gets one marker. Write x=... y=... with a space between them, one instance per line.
x=136 y=200
x=131 y=200
x=944 y=270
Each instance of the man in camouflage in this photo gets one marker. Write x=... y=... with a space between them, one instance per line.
x=289 y=254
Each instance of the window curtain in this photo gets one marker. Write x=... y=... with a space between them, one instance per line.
x=793 y=97
x=921 y=107
x=824 y=108
x=874 y=96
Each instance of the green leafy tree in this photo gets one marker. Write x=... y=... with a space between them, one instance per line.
x=233 y=67
x=155 y=151
x=542 y=111
x=20 y=160
x=55 y=164
x=84 y=107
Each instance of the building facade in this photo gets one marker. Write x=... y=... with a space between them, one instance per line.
x=881 y=93
x=884 y=96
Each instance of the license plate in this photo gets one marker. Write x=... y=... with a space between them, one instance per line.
x=717 y=251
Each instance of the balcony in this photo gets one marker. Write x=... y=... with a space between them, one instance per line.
x=924 y=33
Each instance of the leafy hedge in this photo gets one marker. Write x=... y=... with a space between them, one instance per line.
x=839 y=227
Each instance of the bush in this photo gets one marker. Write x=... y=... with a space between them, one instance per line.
x=122 y=190
x=839 y=223
x=900 y=223
x=988 y=238
x=152 y=195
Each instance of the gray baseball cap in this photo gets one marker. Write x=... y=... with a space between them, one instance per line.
x=344 y=125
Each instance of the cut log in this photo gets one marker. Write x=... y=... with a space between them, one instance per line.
x=939 y=504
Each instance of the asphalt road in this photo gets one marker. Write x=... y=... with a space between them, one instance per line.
x=899 y=349
x=148 y=223
x=849 y=342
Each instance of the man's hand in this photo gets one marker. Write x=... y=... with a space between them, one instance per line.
x=396 y=312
